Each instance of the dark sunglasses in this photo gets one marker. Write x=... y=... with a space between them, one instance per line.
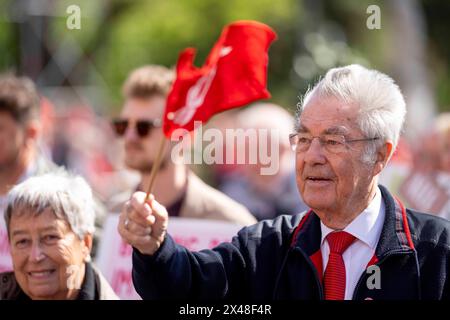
x=143 y=127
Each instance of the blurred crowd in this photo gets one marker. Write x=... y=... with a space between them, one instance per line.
x=116 y=154
x=85 y=143
x=419 y=171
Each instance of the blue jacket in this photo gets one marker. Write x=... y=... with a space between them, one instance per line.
x=279 y=259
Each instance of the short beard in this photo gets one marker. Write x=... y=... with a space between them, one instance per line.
x=146 y=167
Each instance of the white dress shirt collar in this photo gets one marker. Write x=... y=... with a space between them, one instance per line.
x=367 y=225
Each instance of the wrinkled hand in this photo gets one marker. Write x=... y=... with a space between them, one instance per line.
x=143 y=224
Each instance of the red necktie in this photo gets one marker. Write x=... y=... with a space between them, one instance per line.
x=334 y=277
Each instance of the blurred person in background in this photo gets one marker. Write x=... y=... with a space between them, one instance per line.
x=176 y=186
x=426 y=186
x=443 y=175
x=19 y=132
x=83 y=145
x=443 y=127
x=50 y=223
x=426 y=155
x=223 y=171
x=21 y=153
x=266 y=195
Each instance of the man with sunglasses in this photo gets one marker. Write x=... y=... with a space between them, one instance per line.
x=176 y=187
x=357 y=241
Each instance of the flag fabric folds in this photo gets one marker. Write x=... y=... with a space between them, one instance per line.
x=234 y=74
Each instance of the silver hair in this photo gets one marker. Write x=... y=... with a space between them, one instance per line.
x=68 y=196
x=382 y=106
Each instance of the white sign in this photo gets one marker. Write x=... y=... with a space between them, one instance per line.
x=114 y=256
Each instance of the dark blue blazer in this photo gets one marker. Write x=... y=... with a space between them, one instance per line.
x=280 y=259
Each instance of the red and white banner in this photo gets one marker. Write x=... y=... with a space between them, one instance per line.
x=114 y=256
x=423 y=192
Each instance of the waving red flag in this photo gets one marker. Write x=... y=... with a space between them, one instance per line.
x=234 y=74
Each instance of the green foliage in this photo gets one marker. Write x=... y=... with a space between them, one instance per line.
x=156 y=31
x=119 y=35
x=8 y=48
x=90 y=22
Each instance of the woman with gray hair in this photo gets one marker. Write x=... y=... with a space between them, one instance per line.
x=50 y=224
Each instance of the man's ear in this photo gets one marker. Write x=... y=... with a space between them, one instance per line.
x=384 y=153
x=32 y=131
x=87 y=247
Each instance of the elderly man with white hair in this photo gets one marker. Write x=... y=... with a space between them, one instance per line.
x=356 y=241
x=50 y=223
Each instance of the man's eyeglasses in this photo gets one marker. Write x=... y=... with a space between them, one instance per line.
x=143 y=127
x=300 y=142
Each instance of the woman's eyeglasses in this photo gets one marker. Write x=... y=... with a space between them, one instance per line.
x=142 y=127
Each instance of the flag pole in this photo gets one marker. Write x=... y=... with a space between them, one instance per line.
x=156 y=165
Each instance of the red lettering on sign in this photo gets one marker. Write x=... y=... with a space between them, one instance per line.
x=121 y=282
x=214 y=242
x=188 y=242
x=125 y=249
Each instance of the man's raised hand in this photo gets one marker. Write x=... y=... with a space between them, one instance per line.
x=143 y=224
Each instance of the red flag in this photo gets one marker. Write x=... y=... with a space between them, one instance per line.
x=234 y=74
